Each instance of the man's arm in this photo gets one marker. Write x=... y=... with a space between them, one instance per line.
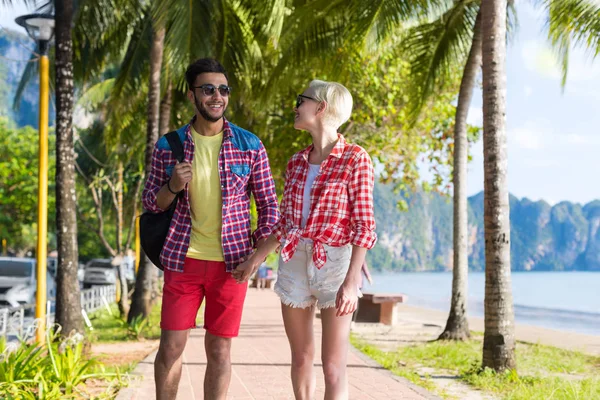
x=157 y=196
x=155 y=181
x=263 y=188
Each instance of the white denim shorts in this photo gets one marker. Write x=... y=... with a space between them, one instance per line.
x=301 y=285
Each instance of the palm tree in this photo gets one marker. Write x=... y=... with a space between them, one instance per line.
x=68 y=298
x=457 y=325
x=147 y=273
x=499 y=335
x=435 y=48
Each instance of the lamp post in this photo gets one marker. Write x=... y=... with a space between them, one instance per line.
x=40 y=27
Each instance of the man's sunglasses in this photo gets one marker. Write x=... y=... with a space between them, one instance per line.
x=300 y=99
x=209 y=90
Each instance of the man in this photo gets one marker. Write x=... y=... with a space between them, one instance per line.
x=210 y=229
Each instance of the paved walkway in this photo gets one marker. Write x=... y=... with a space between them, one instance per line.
x=261 y=364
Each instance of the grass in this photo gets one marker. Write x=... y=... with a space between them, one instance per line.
x=110 y=327
x=544 y=372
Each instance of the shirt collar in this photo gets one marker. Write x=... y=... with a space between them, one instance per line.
x=227 y=131
x=336 y=152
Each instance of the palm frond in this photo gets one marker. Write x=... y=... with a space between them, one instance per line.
x=376 y=19
x=96 y=95
x=573 y=22
x=29 y=74
x=435 y=47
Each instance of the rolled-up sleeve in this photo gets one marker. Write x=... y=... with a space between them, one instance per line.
x=279 y=227
x=360 y=191
x=156 y=180
x=265 y=196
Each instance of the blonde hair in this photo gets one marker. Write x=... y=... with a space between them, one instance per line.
x=338 y=99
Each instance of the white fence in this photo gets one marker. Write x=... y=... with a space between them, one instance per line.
x=14 y=322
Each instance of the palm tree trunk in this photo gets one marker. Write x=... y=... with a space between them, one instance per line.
x=165 y=110
x=457 y=326
x=147 y=274
x=499 y=336
x=68 y=297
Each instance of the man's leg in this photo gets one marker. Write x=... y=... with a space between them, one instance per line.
x=218 y=368
x=167 y=365
x=299 y=329
x=334 y=353
x=222 y=318
x=182 y=296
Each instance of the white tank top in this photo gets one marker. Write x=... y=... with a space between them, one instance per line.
x=313 y=171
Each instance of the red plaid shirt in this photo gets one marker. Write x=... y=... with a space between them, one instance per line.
x=243 y=168
x=341 y=202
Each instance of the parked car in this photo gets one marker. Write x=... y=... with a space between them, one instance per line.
x=99 y=271
x=53 y=264
x=18 y=283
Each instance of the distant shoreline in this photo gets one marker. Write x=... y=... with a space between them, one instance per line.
x=568 y=340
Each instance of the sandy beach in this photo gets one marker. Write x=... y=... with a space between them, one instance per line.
x=421 y=324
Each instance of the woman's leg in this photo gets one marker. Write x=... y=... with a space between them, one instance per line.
x=299 y=329
x=334 y=349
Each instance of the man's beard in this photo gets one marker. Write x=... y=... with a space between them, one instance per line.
x=204 y=112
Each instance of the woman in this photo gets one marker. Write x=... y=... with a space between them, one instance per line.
x=326 y=227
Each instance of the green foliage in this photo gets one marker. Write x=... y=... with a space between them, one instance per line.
x=55 y=371
x=137 y=326
x=19 y=186
x=110 y=328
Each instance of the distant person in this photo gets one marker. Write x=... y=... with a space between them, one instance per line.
x=210 y=230
x=327 y=225
x=261 y=276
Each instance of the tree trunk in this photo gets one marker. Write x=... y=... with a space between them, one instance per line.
x=165 y=110
x=68 y=297
x=120 y=187
x=147 y=274
x=124 y=298
x=499 y=337
x=457 y=326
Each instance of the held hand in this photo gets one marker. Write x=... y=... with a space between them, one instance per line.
x=244 y=271
x=182 y=174
x=346 y=300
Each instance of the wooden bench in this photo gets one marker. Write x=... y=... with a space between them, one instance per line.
x=379 y=307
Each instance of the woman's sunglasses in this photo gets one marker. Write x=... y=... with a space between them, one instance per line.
x=300 y=99
x=209 y=90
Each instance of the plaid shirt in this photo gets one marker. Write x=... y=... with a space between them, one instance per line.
x=341 y=202
x=243 y=168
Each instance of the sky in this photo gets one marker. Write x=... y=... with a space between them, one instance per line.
x=553 y=134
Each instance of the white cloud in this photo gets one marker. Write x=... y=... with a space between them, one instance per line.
x=577 y=139
x=526 y=137
x=528 y=91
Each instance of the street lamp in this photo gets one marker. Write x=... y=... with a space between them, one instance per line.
x=40 y=27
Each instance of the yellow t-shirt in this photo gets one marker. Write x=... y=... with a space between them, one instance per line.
x=205 y=199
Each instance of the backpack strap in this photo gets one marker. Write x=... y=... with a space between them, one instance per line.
x=176 y=145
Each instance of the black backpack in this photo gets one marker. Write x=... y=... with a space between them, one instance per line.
x=155 y=227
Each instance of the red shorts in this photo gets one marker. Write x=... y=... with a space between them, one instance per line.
x=183 y=293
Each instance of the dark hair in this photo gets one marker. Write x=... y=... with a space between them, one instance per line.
x=201 y=66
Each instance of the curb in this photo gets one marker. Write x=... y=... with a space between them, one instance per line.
x=131 y=392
